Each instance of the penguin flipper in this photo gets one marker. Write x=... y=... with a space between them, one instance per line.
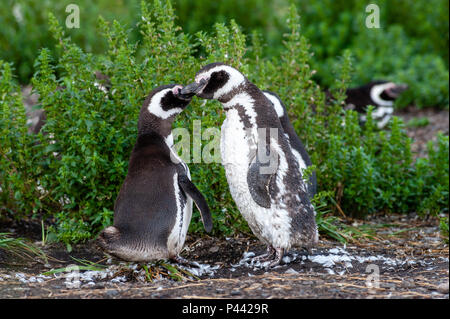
x=259 y=179
x=192 y=191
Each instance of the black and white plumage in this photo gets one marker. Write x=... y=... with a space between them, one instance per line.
x=298 y=149
x=380 y=94
x=154 y=207
x=262 y=172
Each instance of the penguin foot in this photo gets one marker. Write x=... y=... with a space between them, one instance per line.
x=278 y=256
x=266 y=256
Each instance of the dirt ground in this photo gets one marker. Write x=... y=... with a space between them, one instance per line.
x=406 y=259
x=438 y=121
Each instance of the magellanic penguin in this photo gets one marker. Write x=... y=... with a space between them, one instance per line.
x=154 y=207
x=262 y=172
x=380 y=94
x=298 y=149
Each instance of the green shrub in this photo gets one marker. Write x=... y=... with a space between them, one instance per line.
x=84 y=156
x=411 y=46
x=25 y=29
x=386 y=53
x=367 y=170
x=18 y=194
x=433 y=177
x=81 y=162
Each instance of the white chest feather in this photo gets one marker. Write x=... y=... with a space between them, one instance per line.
x=177 y=236
x=270 y=225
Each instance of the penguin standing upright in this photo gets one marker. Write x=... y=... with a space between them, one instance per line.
x=154 y=207
x=262 y=172
x=298 y=149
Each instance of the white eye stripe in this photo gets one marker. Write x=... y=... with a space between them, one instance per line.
x=376 y=91
x=155 y=108
x=203 y=76
x=236 y=79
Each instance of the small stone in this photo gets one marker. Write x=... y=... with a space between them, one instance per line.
x=388 y=285
x=112 y=293
x=291 y=271
x=408 y=283
x=235 y=293
x=214 y=249
x=443 y=288
x=100 y=285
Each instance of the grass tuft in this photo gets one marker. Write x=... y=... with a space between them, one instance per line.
x=21 y=247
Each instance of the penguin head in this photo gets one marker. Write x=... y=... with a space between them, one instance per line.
x=214 y=81
x=161 y=107
x=384 y=93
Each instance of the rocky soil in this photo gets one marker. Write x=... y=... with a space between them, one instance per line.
x=405 y=259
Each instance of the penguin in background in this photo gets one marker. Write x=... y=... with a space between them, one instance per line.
x=380 y=94
x=262 y=172
x=154 y=207
x=298 y=149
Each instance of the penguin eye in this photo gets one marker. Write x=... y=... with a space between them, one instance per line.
x=217 y=80
x=170 y=101
x=219 y=76
x=385 y=96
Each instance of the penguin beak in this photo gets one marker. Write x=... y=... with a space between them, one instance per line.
x=396 y=90
x=194 y=87
x=177 y=93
